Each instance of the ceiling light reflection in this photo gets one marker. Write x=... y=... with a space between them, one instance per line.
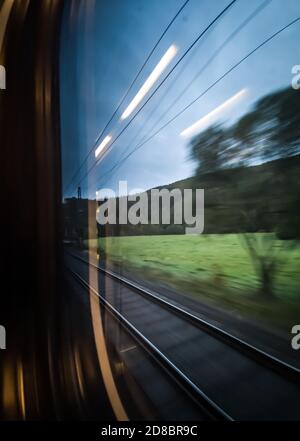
x=102 y=145
x=155 y=74
x=211 y=115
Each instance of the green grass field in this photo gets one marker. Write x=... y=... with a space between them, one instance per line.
x=216 y=268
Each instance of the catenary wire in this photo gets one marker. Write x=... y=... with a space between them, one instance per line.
x=214 y=55
x=121 y=162
x=162 y=82
x=127 y=91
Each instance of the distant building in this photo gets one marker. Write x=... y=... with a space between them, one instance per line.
x=76 y=215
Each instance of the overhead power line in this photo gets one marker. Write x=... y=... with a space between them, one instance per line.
x=121 y=162
x=128 y=90
x=196 y=76
x=163 y=81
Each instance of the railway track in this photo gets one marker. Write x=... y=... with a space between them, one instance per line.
x=205 y=359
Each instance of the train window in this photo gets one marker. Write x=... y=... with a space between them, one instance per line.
x=181 y=191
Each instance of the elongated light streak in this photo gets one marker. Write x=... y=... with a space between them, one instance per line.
x=211 y=115
x=102 y=145
x=155 y=74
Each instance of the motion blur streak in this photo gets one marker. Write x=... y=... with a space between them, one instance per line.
x=21 y=391
x=104 y=364
x=8 y=399
x=211 y=115
x=96 y=317
x=153 y=77
x=78 y=369
x=4 y=15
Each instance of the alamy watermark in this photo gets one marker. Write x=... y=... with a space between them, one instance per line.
x=152 y=207
x=2 y=77
x=296 y=76
x=2 y=337
x=295 y=342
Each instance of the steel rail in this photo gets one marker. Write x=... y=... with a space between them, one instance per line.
x=212 y=409
x=248 y=349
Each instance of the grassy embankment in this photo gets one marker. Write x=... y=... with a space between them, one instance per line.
x=214 y=268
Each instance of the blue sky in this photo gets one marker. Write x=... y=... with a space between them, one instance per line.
x=105 y=42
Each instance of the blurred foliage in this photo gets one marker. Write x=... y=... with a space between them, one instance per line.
x=255 y=198
x=250 y=172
